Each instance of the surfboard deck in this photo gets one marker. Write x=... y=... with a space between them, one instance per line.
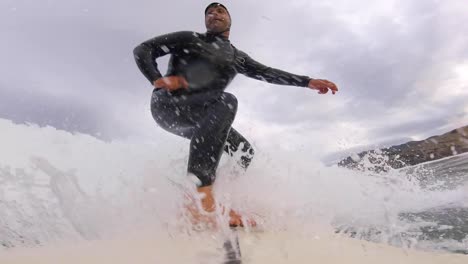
x=255 y=247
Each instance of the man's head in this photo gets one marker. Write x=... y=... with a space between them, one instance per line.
x=217 y=18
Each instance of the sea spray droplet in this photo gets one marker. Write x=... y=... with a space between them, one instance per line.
x=355 y=157
x=201 y=195
x=195 y=179
x=453 y=149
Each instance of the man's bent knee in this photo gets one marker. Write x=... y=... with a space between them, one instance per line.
x=230 y=101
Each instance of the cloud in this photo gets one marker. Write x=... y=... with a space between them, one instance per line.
x=38 y=108
x=386 y=62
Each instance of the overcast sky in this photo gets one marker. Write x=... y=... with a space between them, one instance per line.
x=401 y=67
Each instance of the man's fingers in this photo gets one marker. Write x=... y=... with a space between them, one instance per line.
x=332 y=85
x=323 y=90
x=159 y=83
x=171 y=83
x=323 y=86
x=167 y=81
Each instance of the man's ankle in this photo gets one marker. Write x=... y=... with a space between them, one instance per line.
x=207 y=199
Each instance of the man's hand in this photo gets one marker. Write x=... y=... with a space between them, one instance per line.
x=322 y=86
x=171 y=83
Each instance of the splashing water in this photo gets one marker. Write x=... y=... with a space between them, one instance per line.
x=56 y=185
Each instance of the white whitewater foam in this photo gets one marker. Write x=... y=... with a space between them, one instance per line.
x=56 y=185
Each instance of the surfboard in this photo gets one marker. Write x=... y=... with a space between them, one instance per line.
x=255 y=247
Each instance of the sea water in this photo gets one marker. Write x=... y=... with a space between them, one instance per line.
x=58 y=186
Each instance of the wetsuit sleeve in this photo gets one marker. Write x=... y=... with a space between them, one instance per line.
x=253 y=69
x=146 y=53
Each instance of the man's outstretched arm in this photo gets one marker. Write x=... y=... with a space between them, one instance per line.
x=253 y=69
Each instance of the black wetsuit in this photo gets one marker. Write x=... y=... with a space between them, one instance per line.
x=204 y=113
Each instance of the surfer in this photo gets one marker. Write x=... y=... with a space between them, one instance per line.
x=190 y=100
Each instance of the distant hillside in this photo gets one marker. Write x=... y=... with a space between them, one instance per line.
x=411 y=153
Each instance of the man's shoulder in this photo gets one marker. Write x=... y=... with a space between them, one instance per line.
x=185 y=34
x=239 y=53
x=182 y=35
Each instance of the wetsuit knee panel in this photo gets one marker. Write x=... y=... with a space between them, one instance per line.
x=230 y=101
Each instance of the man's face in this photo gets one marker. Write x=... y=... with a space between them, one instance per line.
x=217 y=19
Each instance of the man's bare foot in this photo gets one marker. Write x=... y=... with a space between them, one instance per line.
x=198 y=216
x=208 y=205
x=202 y=215
x=235 y=220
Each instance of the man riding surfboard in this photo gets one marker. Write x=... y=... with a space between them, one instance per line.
x=190 y=100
